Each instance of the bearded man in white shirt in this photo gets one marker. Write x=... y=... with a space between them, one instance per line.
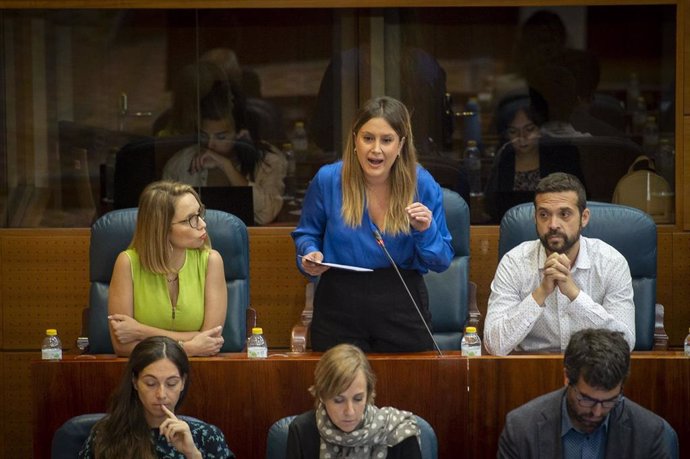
x=547 y=289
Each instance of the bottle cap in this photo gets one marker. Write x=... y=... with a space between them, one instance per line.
x=471 y=330
x=471 y=143
x=257 y=331
x=299 y=124
x=51 y=332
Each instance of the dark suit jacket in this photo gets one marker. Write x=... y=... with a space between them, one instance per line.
x=534 y=431
x=304 y=441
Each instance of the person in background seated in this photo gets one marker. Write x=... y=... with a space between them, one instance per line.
x=590 y=417
x=223 y=160
x=547 y=289
x=141 y=420
x=193 y=83
x=522 y=161
x=345 y=422
x=169 y=281
x=377 y=196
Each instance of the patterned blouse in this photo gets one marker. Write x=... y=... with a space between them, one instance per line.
x=526 y=180
x=208 y=439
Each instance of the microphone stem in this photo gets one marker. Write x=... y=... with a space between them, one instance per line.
x=395 y=266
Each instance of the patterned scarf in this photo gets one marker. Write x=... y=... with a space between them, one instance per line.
x=382 y=428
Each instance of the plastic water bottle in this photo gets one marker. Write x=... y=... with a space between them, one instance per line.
x=299 y=139
x=51 y=349
x=687 y=344
x=666 y=161
x=650 y=136
x=471 y=345
x=472 y=129
x=633 y=91
x=290 y=180
x=473 y=164
x=639 y=115
x=256 y=344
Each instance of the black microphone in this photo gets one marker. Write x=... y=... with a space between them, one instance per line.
x=379 y=240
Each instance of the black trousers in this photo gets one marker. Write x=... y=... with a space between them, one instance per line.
x=371 y=310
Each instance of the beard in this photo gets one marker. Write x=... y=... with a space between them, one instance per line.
x=556 y=246
x=582 y=421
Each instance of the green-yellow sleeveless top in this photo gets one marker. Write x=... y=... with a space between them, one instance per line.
x=152 y=305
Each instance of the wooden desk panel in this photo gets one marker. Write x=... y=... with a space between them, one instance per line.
x=466 y=401
x=244 y=397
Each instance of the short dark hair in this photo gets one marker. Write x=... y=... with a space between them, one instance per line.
x=559 y=182
x=600 y=356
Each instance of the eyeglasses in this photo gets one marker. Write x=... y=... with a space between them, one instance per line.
x=193 y=221
x=589 y=402
x=526 y=131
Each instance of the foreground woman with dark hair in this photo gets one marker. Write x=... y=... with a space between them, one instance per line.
x=141 y=420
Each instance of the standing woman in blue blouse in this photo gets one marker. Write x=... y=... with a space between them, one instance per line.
x=377 y=188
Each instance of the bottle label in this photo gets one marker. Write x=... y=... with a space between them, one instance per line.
x=257 y=352
x=51 y=354
x=471 y=351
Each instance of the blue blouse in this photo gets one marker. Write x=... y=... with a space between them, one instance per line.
x=321 y=228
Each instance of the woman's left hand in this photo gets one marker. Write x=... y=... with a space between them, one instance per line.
x=420 y=216
x=177 y=432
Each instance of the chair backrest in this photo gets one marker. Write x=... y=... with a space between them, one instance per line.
x=449 y=290
x=628 y=230
x=112 y=233
x=70 y=437
x=141 y=162
x=276 y=442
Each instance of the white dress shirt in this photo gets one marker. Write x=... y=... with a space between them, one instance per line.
x=514 y=320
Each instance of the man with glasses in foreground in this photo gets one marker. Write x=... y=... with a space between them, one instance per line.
x=589 y=417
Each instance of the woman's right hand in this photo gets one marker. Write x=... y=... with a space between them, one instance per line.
x=125 y=328
x=206 y=159
x=311 y=268
x=206 y=343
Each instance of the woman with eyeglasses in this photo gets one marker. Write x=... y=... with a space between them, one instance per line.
x=522 y=161
x=169 y=281
x=141 y=421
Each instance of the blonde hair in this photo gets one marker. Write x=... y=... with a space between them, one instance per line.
x=154 y=219
x=337 y=369
x=403 y=174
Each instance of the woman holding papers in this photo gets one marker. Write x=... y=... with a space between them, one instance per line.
x=377 y=200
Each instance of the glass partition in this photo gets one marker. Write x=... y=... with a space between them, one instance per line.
x=98 y=103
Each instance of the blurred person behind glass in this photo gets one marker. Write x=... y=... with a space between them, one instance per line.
x=522 y=161
x=222 y=159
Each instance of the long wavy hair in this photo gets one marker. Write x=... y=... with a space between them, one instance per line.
x=124 y=432
x=403 y=174
x=156 y=212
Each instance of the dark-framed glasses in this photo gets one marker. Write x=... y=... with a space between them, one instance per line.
x=589 y=402
x=193 y=221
